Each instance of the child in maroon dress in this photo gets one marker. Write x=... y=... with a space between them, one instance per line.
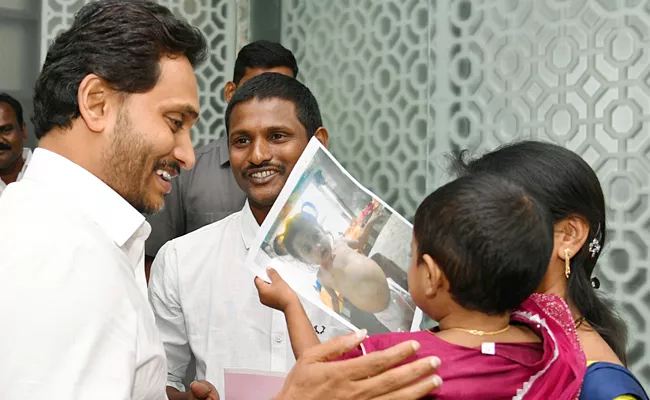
x=480 y=248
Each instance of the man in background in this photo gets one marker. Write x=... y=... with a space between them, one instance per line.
x=14 y=157
x=208 y=192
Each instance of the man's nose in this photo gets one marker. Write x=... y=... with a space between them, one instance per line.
x=261 y=152
x=184 y=151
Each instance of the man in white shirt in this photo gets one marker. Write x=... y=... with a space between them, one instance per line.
x=202 y=294
x=14 y=157
x=113 y=106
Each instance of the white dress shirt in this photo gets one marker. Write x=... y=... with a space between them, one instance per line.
x=206 y=304
x=76 y=323
x=27 y=155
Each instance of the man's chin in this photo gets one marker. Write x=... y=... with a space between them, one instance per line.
x=259 y=200
x=149 y=207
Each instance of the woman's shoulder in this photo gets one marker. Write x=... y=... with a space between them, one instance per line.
x=608 y=381
x=595 y=347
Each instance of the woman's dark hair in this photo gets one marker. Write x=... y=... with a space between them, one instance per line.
x=121 y=41
x=491 y=238
x=300 y=225
x=569 y=187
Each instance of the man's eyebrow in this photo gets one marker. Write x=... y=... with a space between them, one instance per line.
x=190 y=111
x=186 y=109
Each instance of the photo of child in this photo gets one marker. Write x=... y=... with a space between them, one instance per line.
x=339 y=246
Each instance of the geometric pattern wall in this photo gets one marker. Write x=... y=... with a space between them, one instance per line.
x=401 y=83
x=367 y=63
x=215 y=18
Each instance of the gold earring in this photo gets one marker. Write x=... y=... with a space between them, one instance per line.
x=567 y=263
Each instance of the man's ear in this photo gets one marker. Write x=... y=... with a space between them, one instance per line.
x=97 y=101
x=229 y=90
x=323 y=136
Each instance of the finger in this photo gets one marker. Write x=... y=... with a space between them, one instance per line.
x=414 y=391
x=273 y=275
x=260 y=284
x=334 y=348
x=377 y=362
x=201 y=389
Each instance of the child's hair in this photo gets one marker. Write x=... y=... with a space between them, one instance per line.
x=492 y=239
x=302 y=224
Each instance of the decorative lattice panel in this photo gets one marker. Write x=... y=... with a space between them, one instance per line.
x=403 y=82
x=216 y=20
x=366 y=62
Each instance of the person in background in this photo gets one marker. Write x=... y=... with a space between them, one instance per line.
x=14 y=156
x=209 y=192
x=481 y=246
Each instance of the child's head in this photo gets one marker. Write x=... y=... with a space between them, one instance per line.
x=481 y=242
x=305 y=240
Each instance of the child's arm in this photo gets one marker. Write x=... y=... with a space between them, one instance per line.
x=278 y=295
x=301 y=331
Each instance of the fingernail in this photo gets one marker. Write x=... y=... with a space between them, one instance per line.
x=361 y=334
x=437 y=380
x=415 y=345
x=435 y=362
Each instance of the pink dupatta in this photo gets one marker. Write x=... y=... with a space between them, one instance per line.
x=553 y=369
x=566 y=363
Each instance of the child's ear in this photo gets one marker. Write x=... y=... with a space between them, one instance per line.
x=433 y=277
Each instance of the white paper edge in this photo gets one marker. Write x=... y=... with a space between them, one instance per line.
x=298 y=170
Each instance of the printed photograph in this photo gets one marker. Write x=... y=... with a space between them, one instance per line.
x=339 y=246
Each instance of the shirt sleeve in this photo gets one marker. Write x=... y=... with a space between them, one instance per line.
x=165 y=302
x=169 y=223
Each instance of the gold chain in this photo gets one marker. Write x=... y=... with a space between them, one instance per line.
x=477 y=332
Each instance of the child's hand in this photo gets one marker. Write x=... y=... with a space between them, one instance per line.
x=277 y=294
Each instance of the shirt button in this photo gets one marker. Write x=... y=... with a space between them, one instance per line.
x=278 y=339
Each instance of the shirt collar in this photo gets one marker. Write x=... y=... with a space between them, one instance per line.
x=89 y=194
x=249 y=226
x=224 y=154
x=27 y=156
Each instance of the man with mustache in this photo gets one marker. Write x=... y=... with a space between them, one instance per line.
x=208 y=192
x=201 y=292
x=14 y=157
